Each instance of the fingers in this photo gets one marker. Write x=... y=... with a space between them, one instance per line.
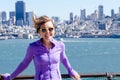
x=73 y=78
x=76 y=77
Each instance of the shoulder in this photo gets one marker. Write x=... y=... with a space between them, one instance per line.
x=33 y=44
x=58 y=43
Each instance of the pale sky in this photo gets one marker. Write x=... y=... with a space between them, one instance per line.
x=61 y=8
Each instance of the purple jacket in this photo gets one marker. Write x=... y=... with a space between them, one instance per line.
x=46 y=62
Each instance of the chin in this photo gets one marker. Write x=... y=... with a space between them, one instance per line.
x=48 y=39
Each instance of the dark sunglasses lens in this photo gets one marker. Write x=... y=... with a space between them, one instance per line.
x=50 y=29
x=43 y=30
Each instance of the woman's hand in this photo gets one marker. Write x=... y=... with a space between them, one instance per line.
x=76 y=76
x=6 y=76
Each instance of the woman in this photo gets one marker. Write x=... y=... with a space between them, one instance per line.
x=46 y=54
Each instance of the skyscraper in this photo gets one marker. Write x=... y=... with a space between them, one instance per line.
x=29 y=21
x=12 y=17
x=112 y=13
x=119 y=10
x=4 y=16
x=71 y=16
x=100 y=12
x=20 y=13
x=83 y=14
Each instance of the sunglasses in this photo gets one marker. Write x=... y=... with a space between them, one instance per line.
x=46 y=29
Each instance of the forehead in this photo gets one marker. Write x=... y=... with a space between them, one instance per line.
x=47 y=24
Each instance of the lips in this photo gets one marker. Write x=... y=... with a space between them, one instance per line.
x=47 y=35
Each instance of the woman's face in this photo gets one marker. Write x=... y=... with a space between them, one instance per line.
x=47 y=31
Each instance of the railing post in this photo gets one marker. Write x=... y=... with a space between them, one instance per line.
x=109 y=76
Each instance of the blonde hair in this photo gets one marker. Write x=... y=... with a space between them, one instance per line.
x=40 y=20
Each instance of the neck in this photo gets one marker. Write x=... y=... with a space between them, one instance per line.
x=47 y=44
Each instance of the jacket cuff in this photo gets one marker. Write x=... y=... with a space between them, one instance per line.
x=72 y=72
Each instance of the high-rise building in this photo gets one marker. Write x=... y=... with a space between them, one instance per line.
x=29 y=20
x=100 y=12
x=83 y=14
x=0 y=21
x=112 y=13
x=71 y=16
x=20 y=11
x=4 y=16
x=11 y=14
x=119 y=10
x=12 y=17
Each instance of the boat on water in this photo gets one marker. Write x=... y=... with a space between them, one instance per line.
x=6 y=37
x=3 y=38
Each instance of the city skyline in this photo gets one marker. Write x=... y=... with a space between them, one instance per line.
x=62 y=8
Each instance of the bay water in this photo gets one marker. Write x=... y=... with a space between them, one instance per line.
x=86 y=55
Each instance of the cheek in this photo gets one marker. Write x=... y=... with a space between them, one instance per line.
x=53 y=33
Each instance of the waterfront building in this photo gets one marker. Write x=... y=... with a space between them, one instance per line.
x=100 y=12
x=20 y=11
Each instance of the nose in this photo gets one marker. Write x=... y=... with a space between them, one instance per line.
x=47 y=30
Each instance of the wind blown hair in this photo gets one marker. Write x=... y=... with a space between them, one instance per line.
x=40 y=21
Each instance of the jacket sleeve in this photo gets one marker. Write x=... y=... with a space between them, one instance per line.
x=25 y=62
x=66 y=62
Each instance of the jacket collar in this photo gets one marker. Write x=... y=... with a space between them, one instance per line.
x=53 y=41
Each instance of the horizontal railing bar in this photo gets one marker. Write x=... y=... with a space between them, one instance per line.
x=108 y=75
